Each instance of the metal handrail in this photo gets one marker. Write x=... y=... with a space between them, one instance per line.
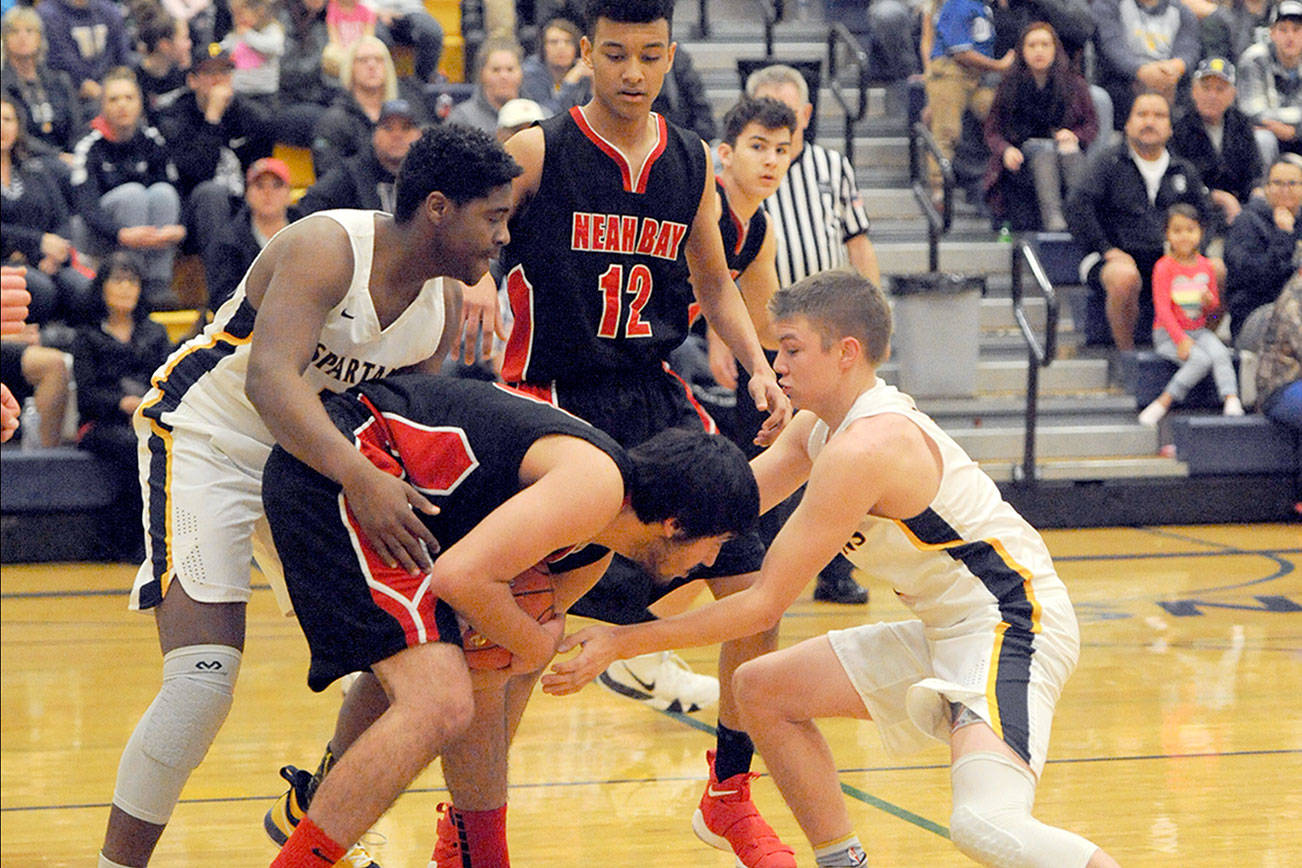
x=938 y=222
x=839 y=33
x=1038 y=354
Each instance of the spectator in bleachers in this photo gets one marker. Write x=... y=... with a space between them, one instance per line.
x=886 y=29
x=1270 y=83
x=1186 y=303
x=516 y=115
x=213 y=134
x=165 y=50
x=256 y=43
x=1279 y=364
x=123 y=186
x=34 y=230
x=1144 y=45
x=369 y=82
x=405 y=22
x=86 y=39
x=264 y=213
x=497 y=81
x=961 y=71
x=113 y=358
x=555 y=78
x=1039 y=126
x=30 y=370
x=348 y=21
x=1261 y=248
x=45 y=96
x=1118 y=214
x=1072 y=20
x=1218 y=138
x=1234 y=26
x=305 y=90
x=682 y=98
x=365 y=180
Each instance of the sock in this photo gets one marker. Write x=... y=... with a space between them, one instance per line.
x=844 y=852
x=106 y=862
x=486 y=837
x=327 y=763
x=308 y=847
x=733 y=754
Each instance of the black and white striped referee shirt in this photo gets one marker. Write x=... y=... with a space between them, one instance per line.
x=815 y=210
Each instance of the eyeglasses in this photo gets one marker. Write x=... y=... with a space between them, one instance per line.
x=1290 y=184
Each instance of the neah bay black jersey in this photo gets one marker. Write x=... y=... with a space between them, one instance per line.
x=459 y=442
x=596 y=269
x=741 y=241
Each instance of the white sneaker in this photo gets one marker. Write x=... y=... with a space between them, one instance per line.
x=663 y=681
x=1151 y=415
x=1233 y=406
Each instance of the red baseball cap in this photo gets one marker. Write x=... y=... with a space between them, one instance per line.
x=267 y=166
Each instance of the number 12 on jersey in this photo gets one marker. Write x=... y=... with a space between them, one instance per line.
x=613 y=290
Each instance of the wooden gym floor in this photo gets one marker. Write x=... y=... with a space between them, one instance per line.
x=1178 y=740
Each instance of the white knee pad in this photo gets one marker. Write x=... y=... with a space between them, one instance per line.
x=176 y=730
x=992 y=823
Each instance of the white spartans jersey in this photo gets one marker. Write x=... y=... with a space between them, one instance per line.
x=201 y=386
x=968 y=551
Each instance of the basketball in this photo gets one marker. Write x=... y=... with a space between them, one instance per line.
x=535 y=594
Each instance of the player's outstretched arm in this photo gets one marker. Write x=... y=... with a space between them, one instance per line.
x=293 y=290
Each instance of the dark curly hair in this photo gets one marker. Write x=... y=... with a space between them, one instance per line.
x=765 y=111
x=460 y=162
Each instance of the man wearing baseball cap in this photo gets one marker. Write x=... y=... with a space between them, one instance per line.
x=1270 y=87
x=213 y=135
x=366 y=179
x=1218 y=138
x=238 y=241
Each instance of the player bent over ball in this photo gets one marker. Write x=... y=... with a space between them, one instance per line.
x=521 y=488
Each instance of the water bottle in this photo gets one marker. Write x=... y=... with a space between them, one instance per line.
x=29 y=425
x=1006 y=234
x=443 y=106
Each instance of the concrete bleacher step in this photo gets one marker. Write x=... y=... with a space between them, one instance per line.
x=1091 y=469
x=963 y=256
x=1004 y=376
x=1059 y=441
x=1008 y=411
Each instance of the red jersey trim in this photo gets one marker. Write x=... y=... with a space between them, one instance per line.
x=742 y=226
x=519 y=346
x=609 y=149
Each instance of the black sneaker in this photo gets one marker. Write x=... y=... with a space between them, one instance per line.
x=837 y=585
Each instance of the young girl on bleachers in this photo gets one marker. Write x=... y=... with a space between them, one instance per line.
x=1185 y=298
x=347 y=21
x=256 y=43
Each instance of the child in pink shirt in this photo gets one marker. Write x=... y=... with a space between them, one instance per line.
x=1184 y=297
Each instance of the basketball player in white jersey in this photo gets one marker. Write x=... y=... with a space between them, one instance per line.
x=332 y=300
x=995 y=636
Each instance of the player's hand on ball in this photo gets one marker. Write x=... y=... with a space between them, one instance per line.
x=599 y=649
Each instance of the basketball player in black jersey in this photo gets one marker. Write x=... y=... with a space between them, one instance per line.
x=519 y=486
x=614 y=234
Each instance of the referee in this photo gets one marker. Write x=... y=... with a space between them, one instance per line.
x=820 y=223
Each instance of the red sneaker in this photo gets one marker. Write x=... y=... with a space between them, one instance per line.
x=447 y=852
x=727 y=819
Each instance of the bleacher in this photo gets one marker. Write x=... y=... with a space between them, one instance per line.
x=1095 y=464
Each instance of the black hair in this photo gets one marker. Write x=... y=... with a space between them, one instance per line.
x=700 y=479
x=460 y=162
x=118 y=262
x=765 y=111
x=1183 y=209
x=628 y=12
x=153 y=25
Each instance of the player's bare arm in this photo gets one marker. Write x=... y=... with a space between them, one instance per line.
x=293 y=289
x=757 y=284
x=479 y=311
x=724 y=310
x=572 y=490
